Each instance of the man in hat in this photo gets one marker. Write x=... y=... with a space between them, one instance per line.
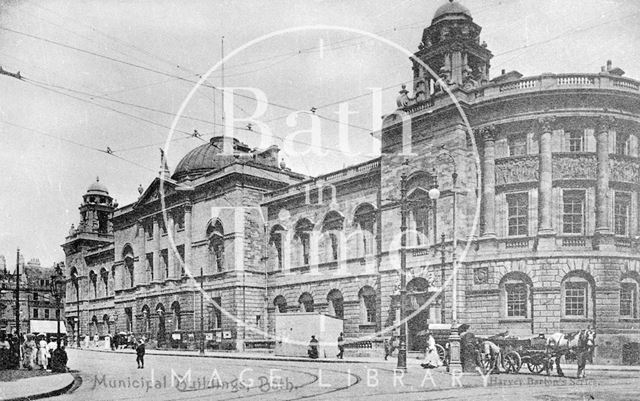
x=140 y=350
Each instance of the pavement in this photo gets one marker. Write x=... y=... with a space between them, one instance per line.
x=52 y=385
x=32 y=388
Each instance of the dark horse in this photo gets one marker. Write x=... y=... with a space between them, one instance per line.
x=580 y=343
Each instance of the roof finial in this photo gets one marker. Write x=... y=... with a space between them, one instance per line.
x=97 y=178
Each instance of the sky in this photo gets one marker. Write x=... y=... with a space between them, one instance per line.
x=110 y=76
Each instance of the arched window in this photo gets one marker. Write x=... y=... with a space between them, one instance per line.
x=215 y=313
x=276 y=237
x=306 y=302
x=93 y=280
x=335 y=303
x=215 y=234
x=93 y=328
x=146 y=319
x=515 y=293
x=364 y=221
x=281 y=304
x=75 y=280
x=127 y=255
x=332 y=233
x=629 y=297
x=175 y=310
x=421 y=215
x=104 y=277
x=367 y=298
x=577 y=295
x=302 y=237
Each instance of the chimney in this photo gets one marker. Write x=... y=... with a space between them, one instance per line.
x=503 y=71
x=608 y=65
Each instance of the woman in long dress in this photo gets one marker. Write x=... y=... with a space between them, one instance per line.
x=43 y=353
x=431 y=357
x=29 y=352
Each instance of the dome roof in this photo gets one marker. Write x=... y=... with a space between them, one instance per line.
x=208 y=157
x=97 y=188
x=452 y=7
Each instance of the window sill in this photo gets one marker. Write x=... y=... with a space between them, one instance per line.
x=629 y=319
x=514 y=320
x=367 y=325
x=179 y=230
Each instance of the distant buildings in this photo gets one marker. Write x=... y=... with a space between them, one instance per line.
x=37 y=307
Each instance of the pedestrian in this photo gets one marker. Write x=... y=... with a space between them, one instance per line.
x=29 y=350
x=140 y=354
x=59 y=359
x=431 y=358
x=43 y=352
x=313 y=348
x=389 y=347
x=340 y=346
x=468 y=348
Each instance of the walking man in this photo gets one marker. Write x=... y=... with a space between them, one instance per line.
x=340 y=346
x=140 y=352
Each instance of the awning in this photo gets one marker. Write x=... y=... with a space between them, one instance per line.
x=47 y=326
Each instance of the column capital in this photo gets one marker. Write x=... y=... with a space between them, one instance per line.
x=547 y=124
x=188 y=206
x=605 y=123
x=488 y=133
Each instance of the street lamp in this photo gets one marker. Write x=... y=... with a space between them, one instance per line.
x=58 y=284
x=201 y=311
x=76 y=283
x=434 y=194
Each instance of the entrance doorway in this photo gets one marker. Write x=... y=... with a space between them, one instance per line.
x=417 y=295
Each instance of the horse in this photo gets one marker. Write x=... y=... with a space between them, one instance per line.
x=581 y=343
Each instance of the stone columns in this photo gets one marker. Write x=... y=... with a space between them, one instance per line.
x=140 y=273
x=156 y=251
x=489 y=181
x=171 y=256
x=546 y=233
x=188 y=236
x=603 y=234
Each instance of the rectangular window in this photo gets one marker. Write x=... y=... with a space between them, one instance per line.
x=181 y=261
x=575 y=299
x=150 y=265
x=179 y=219
x=163 y=227
x=621 y=213
x=35 y=313
x=516 y=300
x=164 y=255
x=149 y=231
x=575 y=141
x=35 y=296
x=215 y=314
x=573 y=212
x=622 y=143
x=628 y=296
x=517 y=145
x=46 y=313
x=306 y=247
x=421 y=217
x=518 y=212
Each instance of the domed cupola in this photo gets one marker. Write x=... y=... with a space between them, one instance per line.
x=211 y=157
x=451 y=48
x=96 y=209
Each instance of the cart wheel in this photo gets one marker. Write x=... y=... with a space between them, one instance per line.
x=442 y=354
x=535 y=366
x=511 y=362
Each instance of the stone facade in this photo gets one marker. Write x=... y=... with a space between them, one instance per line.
x=538 y=207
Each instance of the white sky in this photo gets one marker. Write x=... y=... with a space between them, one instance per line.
x=43 y=178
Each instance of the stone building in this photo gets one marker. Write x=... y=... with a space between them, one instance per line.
x=538 y=179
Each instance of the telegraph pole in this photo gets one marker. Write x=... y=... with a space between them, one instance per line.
x=17 y=292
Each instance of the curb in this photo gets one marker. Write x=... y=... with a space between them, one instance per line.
x=240 y=357
x=48 y=394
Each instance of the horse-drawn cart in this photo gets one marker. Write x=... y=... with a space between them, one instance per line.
x=518 y=351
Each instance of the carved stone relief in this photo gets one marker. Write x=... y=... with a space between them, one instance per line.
x=481 y=275
x=624 y=170
x=574 y=167
x=511 y=171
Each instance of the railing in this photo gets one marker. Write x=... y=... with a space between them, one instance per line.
x=574 y=241
x=576 y=80
x=625 y=242
x=516 y=243
x=359 y=344
x=522 y=84
x=626 y=83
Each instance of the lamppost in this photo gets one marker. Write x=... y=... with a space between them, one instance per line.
x=201 y=312
x=454 y=337
x=434 y=193
x=76 y=283
x=58 y=284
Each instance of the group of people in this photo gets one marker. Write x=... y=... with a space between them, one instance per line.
x=313 y=352
x=37 y=353
x=33 y=352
